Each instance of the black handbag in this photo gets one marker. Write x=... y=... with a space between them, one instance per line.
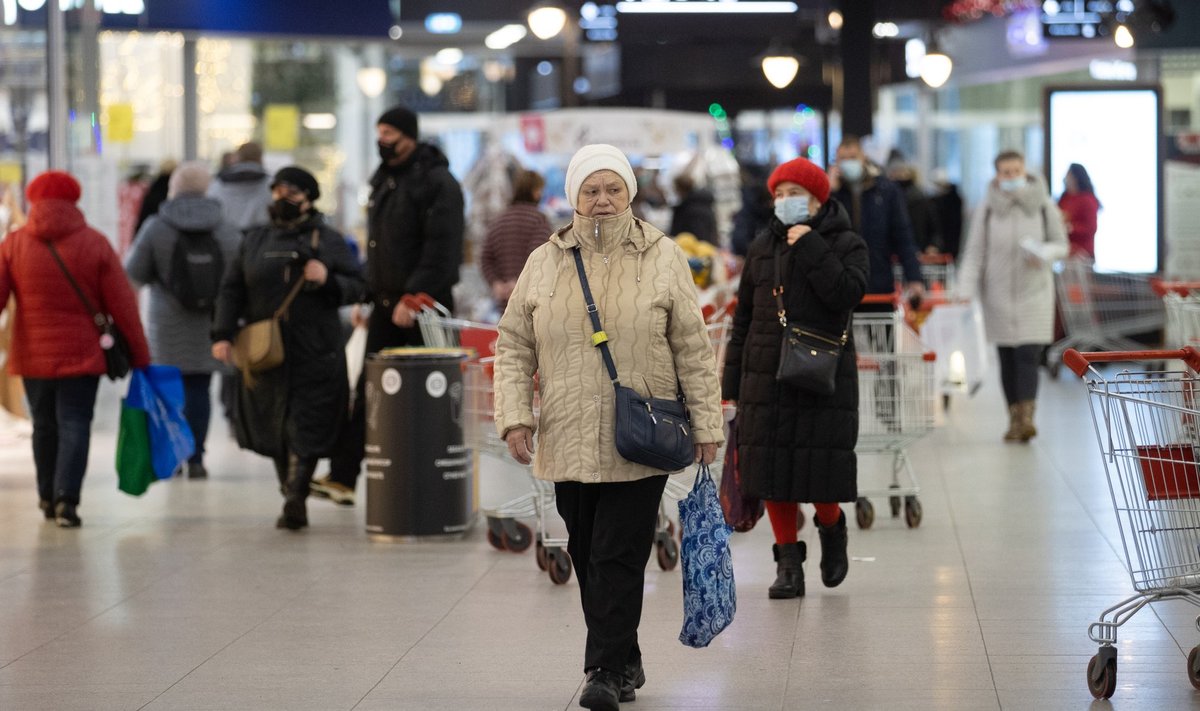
x=117 y=360
x=655 y=432
x=808 y=359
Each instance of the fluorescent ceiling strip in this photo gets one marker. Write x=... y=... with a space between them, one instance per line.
x=695 y=8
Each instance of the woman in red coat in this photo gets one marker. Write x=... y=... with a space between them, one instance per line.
x=56 y=345
x=1080 y=208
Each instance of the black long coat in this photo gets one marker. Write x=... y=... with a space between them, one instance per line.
x=294 y=407
x=793 y=445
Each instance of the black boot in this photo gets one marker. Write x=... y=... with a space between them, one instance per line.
x=789 y=571
x=602 y=691
x=834 y=563
x=633 y=679
x=299 y=476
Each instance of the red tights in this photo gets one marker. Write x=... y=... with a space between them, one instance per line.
x=785 y=515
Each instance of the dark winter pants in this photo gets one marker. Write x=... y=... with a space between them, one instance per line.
x=346 y=459
x=197 y=409
x=1019 y=371
x=61 y=410
x=611 y=533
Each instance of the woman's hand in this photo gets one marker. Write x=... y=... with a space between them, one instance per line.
x=520 y=444
x=316 y=272
x=706 y=453
x=403 y=316
x=223 y=351
x=795 y=232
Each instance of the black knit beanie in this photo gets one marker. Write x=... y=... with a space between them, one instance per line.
x=299 y=177
x=401 y=118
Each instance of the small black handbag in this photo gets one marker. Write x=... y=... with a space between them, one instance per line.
x=117 y=359
x=808 y=359
x=655 y=432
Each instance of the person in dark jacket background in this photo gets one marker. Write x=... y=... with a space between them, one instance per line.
x=878 y=213
x=795 y=446
x=756 y=211
x=156 y=194
x=180 y=336
x=694 y=213
x=927 y=233
x=948 y=204
x=414 y=245
x=513 y=235
x=289 y=413
x=56 y=347
x=243 y=188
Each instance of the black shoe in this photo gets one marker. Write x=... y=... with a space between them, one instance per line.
x=47 y=509
x=294 y=516
x=633 y=679
x=196 y=470
x=65 y=516
x=602 y=691
x=834 y=563
x=789 y=571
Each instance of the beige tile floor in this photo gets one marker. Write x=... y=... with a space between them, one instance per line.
x=188 y=598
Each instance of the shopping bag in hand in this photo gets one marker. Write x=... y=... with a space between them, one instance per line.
x=135 y=474
x=741 y=511
x=709 y=594
x=158 y=390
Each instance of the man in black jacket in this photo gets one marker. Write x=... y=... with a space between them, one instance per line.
x=414 y=245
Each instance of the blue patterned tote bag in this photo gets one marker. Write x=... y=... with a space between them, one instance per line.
x=709 y=594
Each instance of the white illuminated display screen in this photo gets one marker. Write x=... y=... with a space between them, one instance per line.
x=1115 y=135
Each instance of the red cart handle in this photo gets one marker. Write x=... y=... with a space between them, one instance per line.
x=890 y=299
x=1183 y=288
x=1079 y=362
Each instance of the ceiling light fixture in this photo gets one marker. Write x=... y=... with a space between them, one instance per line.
x=547 y=21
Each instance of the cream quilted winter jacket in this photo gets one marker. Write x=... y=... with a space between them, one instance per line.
x=647 y=301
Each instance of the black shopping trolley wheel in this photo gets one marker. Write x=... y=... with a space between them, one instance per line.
x=864 y=513
x=1102 y=676
x=517 y=536
x=912 y=511
x=1193 y=668
x=540 y=556
x=558 y=563
x=894 y=501
x=667 y=551
x=495 y=533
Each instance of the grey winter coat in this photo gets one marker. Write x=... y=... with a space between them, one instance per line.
x=177 y=336
x=1014 y=240
x=244 y=191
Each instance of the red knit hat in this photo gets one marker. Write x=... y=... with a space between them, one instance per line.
x=53 y=185
x=804 y=173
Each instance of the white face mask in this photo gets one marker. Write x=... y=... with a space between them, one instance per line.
x=852 y=169
x=1013 y=185
x=791 y=210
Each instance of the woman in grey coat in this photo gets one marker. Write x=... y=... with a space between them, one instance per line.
x=1016 y=236
x=179 y=335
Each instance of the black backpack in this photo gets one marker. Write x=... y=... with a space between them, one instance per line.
x=197 y=266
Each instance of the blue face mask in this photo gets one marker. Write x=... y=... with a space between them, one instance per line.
x=1013 y=185
x=791 y=210
x=852 y=169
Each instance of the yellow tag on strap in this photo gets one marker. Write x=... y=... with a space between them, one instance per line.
x=599 y=337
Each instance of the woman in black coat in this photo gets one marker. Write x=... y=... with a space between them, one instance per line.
x=290 y=413
x=795 y=446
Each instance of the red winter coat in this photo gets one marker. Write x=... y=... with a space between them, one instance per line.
x=54 y=336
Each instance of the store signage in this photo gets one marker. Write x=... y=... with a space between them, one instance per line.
x=1112 y=70
x=108 y=7
x=1082 y=19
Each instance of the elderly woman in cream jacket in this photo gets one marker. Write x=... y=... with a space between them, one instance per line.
x=647 y=303
x=1014 y=240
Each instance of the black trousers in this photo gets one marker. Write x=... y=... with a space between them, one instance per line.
x=61 y=410
x=1019 y=371
x=611 y=529
x=345 y=463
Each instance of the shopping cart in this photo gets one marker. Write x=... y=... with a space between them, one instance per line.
x=1181 y=302
x=440 y=330
x=1101 y=311
x=897 y=403
x=1148 y=428
x=937 y=271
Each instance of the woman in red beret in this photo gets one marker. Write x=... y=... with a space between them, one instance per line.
x=795 y=445
x=56 y=345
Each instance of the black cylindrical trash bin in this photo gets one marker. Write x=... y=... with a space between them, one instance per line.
x=419 y=471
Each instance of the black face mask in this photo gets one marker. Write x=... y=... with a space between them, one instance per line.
x=285 y=211
x=387 y=151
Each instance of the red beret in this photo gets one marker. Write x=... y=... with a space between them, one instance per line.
x=804 y=173
x=53 y=185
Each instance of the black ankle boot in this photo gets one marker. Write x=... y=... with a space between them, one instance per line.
x=789 y=571
x=633 y=679
x=295 y=491
x=602 y=691
x=834 y=563
x=65 y=515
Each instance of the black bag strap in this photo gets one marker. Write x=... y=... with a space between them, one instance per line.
x=97 y=318
x=599 y=337
x=777 y=292
x=287 y=301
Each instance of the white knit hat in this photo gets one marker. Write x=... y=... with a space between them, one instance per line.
x=597 y=156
